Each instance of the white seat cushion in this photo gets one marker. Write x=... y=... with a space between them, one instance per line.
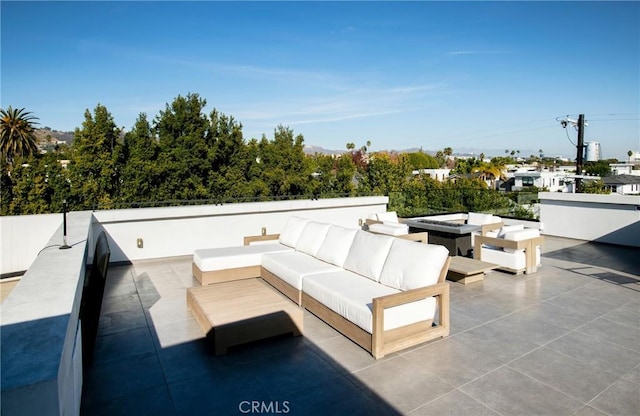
x=293 y=266
x=519 y=235
x=292 y=230
x=336 y=245
x=411 y=265
x=351 y=296
x=368 y=254
x=389 y=229
x=311 y=237
x=222 y=258
x=514 y=261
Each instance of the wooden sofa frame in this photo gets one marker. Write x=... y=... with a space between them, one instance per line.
x=226 y=275
x=528 y=245
x=380 y=342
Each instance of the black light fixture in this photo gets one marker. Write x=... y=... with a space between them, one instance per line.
x=64 y=245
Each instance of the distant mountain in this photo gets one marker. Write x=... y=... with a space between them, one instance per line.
x=48 y=136
x=312 y=150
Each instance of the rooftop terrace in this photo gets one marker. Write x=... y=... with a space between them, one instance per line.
x=562 y=341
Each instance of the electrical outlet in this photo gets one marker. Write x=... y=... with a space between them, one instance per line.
x=139 y=242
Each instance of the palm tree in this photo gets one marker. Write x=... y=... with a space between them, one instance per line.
x=17 y=133
x=491 y=171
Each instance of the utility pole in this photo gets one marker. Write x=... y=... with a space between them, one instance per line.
x=580 y=154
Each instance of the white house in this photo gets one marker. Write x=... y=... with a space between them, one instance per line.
x=437 y=174
x=623 y=184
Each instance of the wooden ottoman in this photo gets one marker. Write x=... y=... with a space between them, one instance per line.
x=241 y=311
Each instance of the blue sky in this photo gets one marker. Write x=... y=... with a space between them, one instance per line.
x=466 y=75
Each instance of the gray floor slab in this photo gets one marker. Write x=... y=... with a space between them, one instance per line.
x=562 y=341
x=510 y=392
x=454 y=403
x=572 y=377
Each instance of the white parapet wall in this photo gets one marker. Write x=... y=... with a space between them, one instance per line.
x=22 y=237
x=178 y=231
x=41 y=350
x=613 y=219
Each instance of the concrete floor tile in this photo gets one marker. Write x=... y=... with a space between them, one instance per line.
x=121 y=303
x=527 y=325
x=601 y=355
x=344 y=354
x=633 y=375
x=220 y=393
x=339 y=397
x=627 y=314
x=108 y=381
x=572 y=377
x=621 y=399
x=152 y=402
x=589 y=411
x=286 y=374
x=497 y=345
x=562 y=316
x=115 y=322
x=175 y=333
x=115 y=347
x=402 y=384
x=574 y=302
x=453 y=362
x=512 y=393
x=455 y=403
x=619 y=334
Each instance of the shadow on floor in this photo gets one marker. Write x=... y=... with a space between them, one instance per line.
x=620 y=258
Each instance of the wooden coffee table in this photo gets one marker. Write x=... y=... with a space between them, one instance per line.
x=466 y=270
x=241 y=311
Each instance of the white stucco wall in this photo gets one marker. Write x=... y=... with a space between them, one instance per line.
x=178 y=231
x=22 y=237
x=613 y=219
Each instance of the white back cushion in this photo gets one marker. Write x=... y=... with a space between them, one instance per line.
x=508 y=228
x=292 y=230
x=336 y=245
x=368 y=254
x=411 y=265
x=519 y=235
x=390 y=216
x=311 y=237
x=476 y=218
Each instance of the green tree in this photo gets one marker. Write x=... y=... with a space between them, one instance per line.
x=184 y=164
x=600 y=168
x=37 y=186
x=17 y=133
x=140 y=172
x=420 y=160
x=284 y=168
x=97 y=159
x=595 y=187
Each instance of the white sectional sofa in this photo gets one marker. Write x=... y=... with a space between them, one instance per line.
x=513 y=247
x=384 y=293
